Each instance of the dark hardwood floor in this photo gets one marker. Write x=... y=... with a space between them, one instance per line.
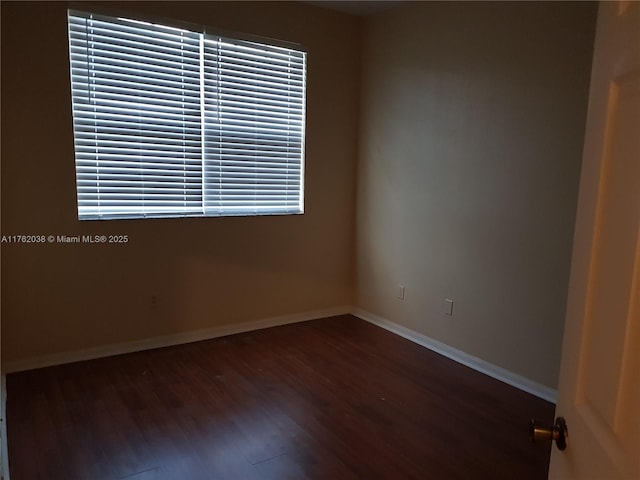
x=330 y=399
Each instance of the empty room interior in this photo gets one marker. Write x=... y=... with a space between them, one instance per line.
x=405 y=323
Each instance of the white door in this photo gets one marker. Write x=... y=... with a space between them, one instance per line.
x=599 y=391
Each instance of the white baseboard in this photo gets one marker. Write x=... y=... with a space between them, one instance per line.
x=167 y=340
x=459 y=356
x=494 y=371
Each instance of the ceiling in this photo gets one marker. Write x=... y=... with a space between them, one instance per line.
x=355 y=7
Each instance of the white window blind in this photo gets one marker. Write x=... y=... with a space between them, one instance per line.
x=174 y=122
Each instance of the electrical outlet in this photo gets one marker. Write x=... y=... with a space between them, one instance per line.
x=447 y=307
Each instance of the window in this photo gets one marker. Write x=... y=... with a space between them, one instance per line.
x=176 y=122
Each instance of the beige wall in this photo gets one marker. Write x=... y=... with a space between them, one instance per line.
x=206 y=272
x=469 y=122
x=472 y=124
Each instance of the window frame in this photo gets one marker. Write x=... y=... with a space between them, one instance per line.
x=205 y=33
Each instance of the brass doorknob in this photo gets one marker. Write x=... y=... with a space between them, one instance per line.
x=558 y=432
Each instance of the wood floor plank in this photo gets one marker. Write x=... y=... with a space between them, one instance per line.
x=335 y=399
